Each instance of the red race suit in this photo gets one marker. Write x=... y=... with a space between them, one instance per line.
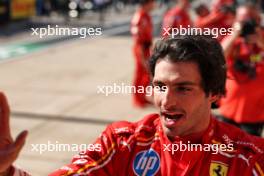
x=243 y=102
x=141 y=30
x=142 y=148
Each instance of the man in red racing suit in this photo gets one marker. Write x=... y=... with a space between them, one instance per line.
x=141 y=148
x=141 y=30
x=184 y=139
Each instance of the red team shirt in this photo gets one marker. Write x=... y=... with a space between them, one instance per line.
x=214 y=20
x=130 y=149
x=227 y=18
x=217 y=19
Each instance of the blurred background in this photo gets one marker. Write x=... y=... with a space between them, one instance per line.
x=51 y=82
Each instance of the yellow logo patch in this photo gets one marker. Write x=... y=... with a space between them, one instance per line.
x=218 y=169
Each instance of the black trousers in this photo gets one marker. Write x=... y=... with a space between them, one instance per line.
x=251 y=128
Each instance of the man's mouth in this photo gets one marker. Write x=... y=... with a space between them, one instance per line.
x=174 y=116
x=171 y=119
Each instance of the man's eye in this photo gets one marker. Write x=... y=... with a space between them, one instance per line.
x=184 y=89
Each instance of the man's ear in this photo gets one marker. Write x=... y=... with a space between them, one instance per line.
x=214 y=101
x=214 y=97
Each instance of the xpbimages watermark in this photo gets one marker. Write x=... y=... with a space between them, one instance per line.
x=60 y=147
x=128 y=89
x=214 y=148
x=65 y=31
x=214 y=32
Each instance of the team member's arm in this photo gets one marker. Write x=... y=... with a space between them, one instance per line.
x=9 y=149
x=98 y=161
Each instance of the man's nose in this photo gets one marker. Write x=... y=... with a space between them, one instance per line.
x=169 y=100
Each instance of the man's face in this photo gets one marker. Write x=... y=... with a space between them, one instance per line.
x=184 y=106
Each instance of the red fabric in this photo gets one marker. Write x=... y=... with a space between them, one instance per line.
x=123 y=143
x=213 y=20
x=141 y=30
x=244 y=100
x=176 y=17
x=141 y=77
x=141 y=27
x=216 y=19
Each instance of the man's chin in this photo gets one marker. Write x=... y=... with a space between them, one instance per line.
x=170 y=132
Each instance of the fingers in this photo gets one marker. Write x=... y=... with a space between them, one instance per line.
x=4 y=116
x=19 y=142
x=9 y=154
x=4 y=106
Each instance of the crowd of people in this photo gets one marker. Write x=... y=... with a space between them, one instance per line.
x=190 y=75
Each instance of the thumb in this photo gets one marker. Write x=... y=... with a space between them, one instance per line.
x=20 y=141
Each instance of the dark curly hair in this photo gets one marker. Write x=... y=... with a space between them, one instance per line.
x=203 y=50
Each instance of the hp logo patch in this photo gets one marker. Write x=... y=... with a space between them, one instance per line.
x=146 y=163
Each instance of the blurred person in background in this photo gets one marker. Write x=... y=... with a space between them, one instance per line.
x=177 y=16
x=243 y=105
x=141 y=30
x=221 y=16
x=9 y=149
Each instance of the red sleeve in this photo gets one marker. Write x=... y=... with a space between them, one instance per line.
x=93 y=162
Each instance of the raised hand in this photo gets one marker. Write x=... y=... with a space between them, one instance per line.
x=9 y=149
